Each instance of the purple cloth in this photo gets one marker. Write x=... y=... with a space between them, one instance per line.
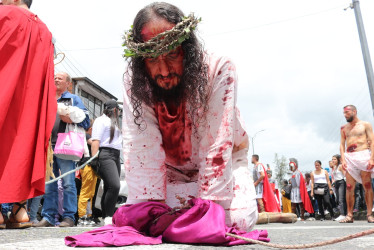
x=111 y=236
x=145 y=223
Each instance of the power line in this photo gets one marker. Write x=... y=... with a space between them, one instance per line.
x=277 y=22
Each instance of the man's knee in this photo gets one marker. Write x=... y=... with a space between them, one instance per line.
x=350 y=188
x=367 y=186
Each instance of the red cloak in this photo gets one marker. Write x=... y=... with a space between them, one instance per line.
x=27 y=103
x=304 y=195
x=270 y=203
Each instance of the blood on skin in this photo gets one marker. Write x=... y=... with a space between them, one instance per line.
x=352 y=148
x=342 y=129
x=151 y=30
x=176 y=132
x=367 y=185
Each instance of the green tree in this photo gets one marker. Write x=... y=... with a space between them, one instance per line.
x=281 y=168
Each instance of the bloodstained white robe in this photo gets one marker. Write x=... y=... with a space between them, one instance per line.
x=215 y=169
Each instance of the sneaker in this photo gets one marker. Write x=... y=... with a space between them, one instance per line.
x=108 y=221
x=82 y=221
x=299 y=219
x=339 y=218
x=90 y=222
x=326 y=212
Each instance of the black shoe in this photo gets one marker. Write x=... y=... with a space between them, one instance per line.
x=67 y=222
x=322 y=219
x=43 y=223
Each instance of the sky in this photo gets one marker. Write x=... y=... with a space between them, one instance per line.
x=299 y=62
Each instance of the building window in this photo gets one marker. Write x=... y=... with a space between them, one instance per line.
x=93 y=104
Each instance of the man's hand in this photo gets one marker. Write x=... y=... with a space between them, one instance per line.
x=371 y=164
x=344 y=164
x=65 y=118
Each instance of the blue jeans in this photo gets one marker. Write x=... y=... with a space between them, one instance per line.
x=6 y=207
x=33 y=204
x=50 y=205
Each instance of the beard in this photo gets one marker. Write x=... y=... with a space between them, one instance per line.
x=349 y=119
x=174 y=95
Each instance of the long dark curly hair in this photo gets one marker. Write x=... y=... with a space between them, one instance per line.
x=192 y=87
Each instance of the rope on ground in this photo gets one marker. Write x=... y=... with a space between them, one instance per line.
x=302 y=246
x=73 y=171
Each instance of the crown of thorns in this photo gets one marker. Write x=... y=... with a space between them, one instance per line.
x=163 y=42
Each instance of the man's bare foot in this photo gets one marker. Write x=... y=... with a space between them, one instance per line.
x=21 y=216
x=370 y=218
x=18 y=218
x=347 y=219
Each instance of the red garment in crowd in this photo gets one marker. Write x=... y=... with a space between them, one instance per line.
x=305 y=196
x=270 y=203
x=27 y=103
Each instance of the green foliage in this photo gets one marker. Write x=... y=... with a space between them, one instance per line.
x=281 y=168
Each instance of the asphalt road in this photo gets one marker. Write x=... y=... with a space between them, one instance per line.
x=298 y=233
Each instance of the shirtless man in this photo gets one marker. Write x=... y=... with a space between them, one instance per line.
x=357 y=159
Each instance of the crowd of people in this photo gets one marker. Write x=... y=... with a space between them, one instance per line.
x=182 y=135
x=326 y=189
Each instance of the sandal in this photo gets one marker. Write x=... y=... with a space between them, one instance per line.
x=370 y=218
x=12 y=223
x=347 y=219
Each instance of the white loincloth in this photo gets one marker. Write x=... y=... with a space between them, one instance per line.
x=357 y=162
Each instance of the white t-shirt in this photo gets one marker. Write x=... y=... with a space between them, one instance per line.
x=101 y=132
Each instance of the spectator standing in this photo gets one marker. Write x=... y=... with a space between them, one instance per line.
x=308 y=183
x=87 y=191
x=71 y=111
x=286 y=197
x=338 y=174
x=321 y=189
x=106 y=137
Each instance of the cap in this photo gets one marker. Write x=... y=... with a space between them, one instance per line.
x=110 y=104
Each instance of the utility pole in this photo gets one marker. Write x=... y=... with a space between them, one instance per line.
x=365 y=50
